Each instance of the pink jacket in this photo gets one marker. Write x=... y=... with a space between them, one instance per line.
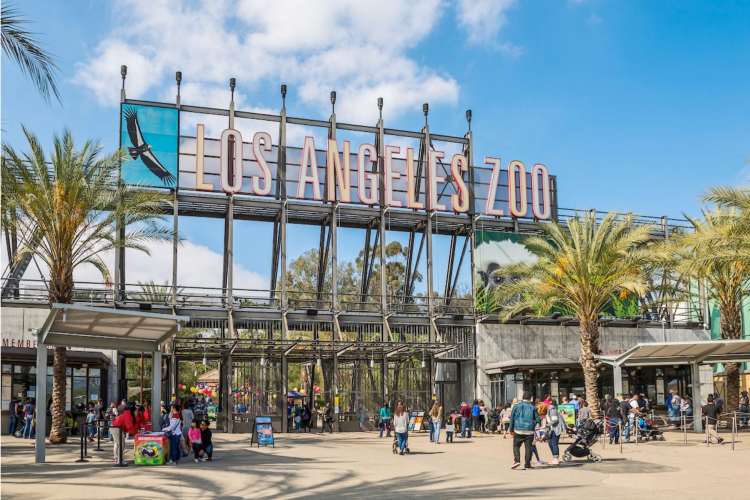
x=194 y=435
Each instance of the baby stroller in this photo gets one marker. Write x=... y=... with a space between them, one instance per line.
x=647 y=430
x=588 y=435
x=493 y=424
x=395 y=444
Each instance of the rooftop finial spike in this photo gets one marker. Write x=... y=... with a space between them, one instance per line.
x=232 y=85
x=426 y=110
x=283 y=96
x=380 y=106
x=333 y=102
x=124 y=73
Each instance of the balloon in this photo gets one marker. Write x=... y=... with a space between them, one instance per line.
x=180 y=386
x=257 y=394
x=193 y=390
x=303 y=391
x=295 y=389
x=213 y=393
x=318 y=389
x=173 y=398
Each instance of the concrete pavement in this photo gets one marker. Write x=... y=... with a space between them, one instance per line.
x=360 y=465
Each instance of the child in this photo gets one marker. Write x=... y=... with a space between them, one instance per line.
x=450 y=428
x=538 y=436
x=91 y=423
x=505 y=418
x=194 y=434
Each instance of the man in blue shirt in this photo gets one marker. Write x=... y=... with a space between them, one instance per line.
x=475 y=412
x=575 y=402
x=523 y=420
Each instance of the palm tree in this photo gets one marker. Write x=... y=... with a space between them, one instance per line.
x=715 y=253
x=67 y=213
x=580 y=271
x=24 y=49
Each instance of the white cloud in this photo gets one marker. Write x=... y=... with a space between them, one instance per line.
x=358 y=49
x=197 y=266
x=482 y=20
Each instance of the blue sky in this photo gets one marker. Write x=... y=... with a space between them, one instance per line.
x=633 y=105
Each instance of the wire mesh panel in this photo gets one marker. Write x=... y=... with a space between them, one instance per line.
x=360 y=389
x=311 y=331
x=461 y=335
x=410 y=333
x=365 y=332
x=253 y=329
x=410 y=383
x=256 y=388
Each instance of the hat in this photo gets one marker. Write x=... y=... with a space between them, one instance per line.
x=123 y=400
x=744 y=392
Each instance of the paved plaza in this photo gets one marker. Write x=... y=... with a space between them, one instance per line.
x=354 y=465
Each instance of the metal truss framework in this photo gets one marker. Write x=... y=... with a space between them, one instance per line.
x=440 y=314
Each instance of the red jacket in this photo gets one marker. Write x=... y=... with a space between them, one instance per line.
x=466 y=411
x=127 y=422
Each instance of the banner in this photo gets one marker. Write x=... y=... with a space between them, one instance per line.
x=568 y=414
x=150 y=136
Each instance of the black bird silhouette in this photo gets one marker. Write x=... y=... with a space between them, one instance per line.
x=143 y=149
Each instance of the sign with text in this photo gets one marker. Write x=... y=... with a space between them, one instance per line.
x=263 y=432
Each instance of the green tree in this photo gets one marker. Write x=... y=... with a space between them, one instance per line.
x=25 y=50
x=714 y=253
x=68 y=214
x=581 y=270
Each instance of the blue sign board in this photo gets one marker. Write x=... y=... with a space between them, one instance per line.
x=263 y=431
x=150 y=136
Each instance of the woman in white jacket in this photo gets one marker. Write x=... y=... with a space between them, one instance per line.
x=175 y=434
x=401 y=426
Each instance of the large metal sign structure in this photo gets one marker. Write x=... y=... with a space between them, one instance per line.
x=376 y=344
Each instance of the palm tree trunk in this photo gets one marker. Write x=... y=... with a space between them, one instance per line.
x=61 y=292
x=589 y=330
x=731 y=329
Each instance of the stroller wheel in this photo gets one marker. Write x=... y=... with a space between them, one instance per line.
x=567 y=457
x=596 y=458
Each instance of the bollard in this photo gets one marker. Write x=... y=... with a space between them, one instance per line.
x=83 y=438
x=706 y=426
x=121 y=462
x=619 y=431
x=683 y=418
x=734 y=427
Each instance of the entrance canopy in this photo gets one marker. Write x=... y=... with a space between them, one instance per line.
x=72 y=325
x=69 y=325
x=679 y=353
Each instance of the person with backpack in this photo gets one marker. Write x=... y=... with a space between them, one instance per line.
x=523 y=421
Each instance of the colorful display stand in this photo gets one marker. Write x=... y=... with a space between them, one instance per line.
x=151 y=449
x=262 y=432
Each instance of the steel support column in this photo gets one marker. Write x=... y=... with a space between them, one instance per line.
x=334 y=258
x=284 y=392
x=174 y=251
x=428 y=232
x=41 y=399
x=381 y=230
x=155 y=388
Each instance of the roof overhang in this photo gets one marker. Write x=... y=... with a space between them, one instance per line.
x=521 y=364
x=681 y=353
x=71 y=325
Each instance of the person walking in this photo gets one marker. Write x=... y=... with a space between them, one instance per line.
x=28 y=418
x=744 y=408
x=385 y=420
x=505 y=420
x=523 y=421
x=615 y=417
x=305 y=418
x=475 y=412
x=585 y=413
x=625 y=409
x=555 y=429
x=175 y=435
x=13 y=416
x=711 y=415
x=187 y=419
x=123 y=424
x=436 y=417
x=327 y=419
x=465 y=420
x=401 y=426
x=635 y=411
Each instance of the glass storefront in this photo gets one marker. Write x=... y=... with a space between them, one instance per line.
x=653 y=382
x=83 y=384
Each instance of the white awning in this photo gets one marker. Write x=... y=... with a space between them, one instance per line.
x=72 y=325
x=679 y=353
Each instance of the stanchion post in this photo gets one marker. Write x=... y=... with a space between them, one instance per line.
x=706 y=425
x=120 y=461
x=82 y=453
x=98 y=436
x=619 y=431
x=734 y=427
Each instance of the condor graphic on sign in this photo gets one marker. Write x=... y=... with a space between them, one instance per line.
x=149 y=135
x=349 y=174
